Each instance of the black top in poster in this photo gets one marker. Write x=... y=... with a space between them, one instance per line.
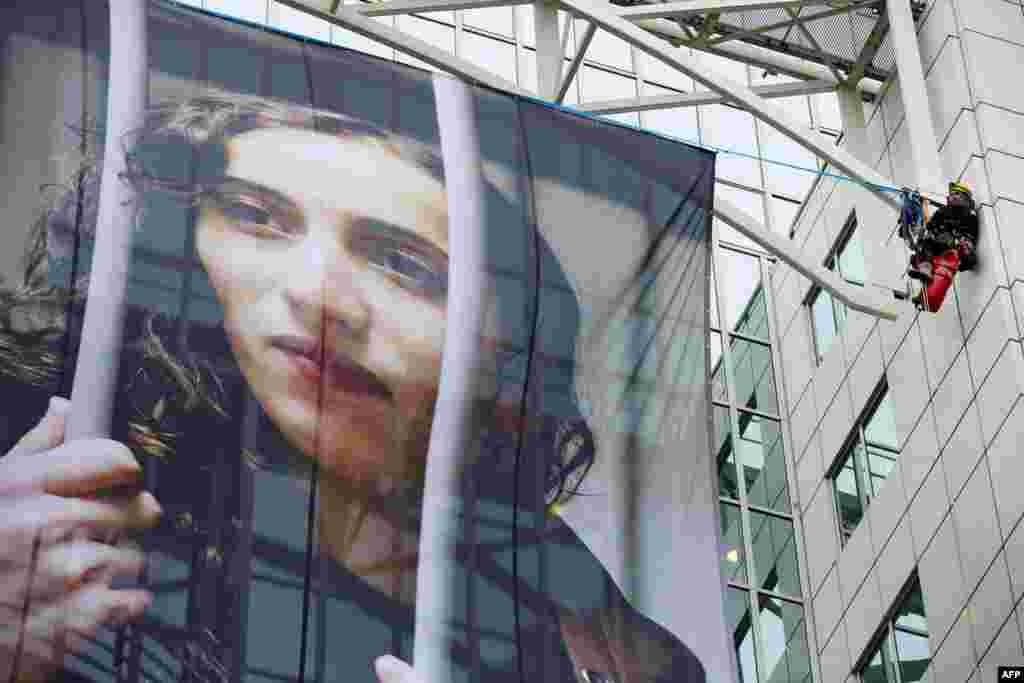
x=289 y=335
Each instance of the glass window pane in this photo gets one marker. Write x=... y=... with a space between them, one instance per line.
x=728 y=486
x=783 y=214
x=609 y=50
x=439 y=35
x=912 y=656
x=754 y=320
x=911 y=613
x=718 y=379
x=732 y=130
x=500 y=20
x=851 y=260
x=875 y=671
x=656 y=71
x=740 y=276
x=797 y=168
x=755 y=380
x=677 y=123
x=824 y=321
x=774 y=547
x=848 y=499
x=495 y=55
x=880 y=430
x=828 y=111
x=603 y=85
x=783 y=641
x=734 y=564
x=882 y=445
x=737 y=607
x=764 y=464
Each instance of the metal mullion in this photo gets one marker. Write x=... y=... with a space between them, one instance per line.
x=744 y=336
x=860 y=467
x=741 y=483
x=760 y=413
x=771 y=513
x=810 y=628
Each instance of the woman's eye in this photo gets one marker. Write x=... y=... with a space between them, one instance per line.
x=411 y=270
x=250 y=213
x=244 y=212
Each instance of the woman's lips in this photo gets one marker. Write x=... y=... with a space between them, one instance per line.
x=337 y=372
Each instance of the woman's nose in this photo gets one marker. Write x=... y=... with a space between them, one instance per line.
x=323 y=286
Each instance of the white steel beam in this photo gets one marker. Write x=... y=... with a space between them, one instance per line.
x=392 y=7
x=652 y=102
x=754 y=55
x=403 y=42
x=914 y=95
x=549 y=48
x=581 y=50
x=820 y=145
x=858 y=298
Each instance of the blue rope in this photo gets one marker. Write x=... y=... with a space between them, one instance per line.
x=576 y=112
x=707 y=147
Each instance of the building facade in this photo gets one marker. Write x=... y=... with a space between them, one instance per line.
x=903 y=435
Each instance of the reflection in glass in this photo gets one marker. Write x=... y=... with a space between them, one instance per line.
x=911 y=632
x=764 y=465
x=734 y=563
x=774 y=545
x=823 y=319
x=754 y=319
x=901 y=654
x=737 y=607
x=848 y=499
x=783 y=641
x=728 y=486
x=740 y=277
x=881 y=444
x=866 y=466
x=874 y=672
x=851 y=260
x=755 y=381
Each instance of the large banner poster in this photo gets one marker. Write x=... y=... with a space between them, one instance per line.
x=293 y=323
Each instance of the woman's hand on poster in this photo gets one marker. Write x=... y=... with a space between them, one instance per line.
x=55 y=569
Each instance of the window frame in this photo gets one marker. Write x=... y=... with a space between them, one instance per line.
x=831 y=262
x=883 y=641
x=856 y=443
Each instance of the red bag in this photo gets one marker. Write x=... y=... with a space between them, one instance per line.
x=944 y=269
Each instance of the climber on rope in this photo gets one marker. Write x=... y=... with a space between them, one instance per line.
x=940 y=246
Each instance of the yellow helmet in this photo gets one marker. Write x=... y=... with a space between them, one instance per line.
x=960 y=188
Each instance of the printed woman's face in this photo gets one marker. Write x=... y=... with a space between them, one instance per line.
x=330 y=259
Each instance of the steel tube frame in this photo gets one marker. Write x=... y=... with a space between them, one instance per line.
x=821 y=145
x=403 y=42
x=652 y=102
x=915 y=98
x=92 y=394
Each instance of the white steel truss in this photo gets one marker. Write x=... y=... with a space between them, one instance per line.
x=645 y=26
x=652 y=102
